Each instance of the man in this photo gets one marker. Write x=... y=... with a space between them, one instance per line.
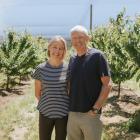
x=89 y=88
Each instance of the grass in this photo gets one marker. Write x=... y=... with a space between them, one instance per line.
x=134 y=122
x=2 y=79
x=19 y=117
x=132 y=84
x=19 y=113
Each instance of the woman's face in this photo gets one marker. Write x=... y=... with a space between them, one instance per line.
x=57 y=50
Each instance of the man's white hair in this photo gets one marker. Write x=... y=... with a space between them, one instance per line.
x=79 y=28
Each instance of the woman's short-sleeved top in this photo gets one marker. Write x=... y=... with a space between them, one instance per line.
x=54 y=101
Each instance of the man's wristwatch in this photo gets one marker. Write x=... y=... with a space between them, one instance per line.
x=95 y=110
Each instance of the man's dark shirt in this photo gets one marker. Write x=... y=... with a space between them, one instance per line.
x=85 y=79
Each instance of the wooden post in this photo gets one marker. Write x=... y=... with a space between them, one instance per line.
x=90 y=17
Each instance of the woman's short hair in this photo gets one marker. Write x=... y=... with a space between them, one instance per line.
x=79 y=28
x=55 y=39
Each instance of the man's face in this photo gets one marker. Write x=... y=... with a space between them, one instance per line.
x=79 y=40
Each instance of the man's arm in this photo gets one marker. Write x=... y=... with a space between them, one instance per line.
x=106 y=88
x=37 y=89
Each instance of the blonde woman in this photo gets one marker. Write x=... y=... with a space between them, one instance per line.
x=51 y=91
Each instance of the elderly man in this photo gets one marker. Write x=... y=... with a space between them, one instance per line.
x=89 y=88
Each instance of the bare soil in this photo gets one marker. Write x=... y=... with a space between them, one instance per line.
x=116 y=111
x=16 y=92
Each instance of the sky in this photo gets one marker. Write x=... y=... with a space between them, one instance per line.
x=53 y=17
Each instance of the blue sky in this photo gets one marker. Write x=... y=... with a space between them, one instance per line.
x=52 y=17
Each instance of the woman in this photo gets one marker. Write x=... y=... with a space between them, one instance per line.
x=51 y=91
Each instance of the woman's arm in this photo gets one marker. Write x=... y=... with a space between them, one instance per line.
x=37 y=89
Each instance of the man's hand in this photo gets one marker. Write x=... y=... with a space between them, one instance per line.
x=91 y=113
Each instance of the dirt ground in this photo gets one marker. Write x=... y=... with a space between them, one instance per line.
x=115 y=112
x=16 y=92
x=118 y=111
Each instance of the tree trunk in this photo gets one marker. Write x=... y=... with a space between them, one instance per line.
x=7 y=83
x=119 y=89
x=19 y=80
